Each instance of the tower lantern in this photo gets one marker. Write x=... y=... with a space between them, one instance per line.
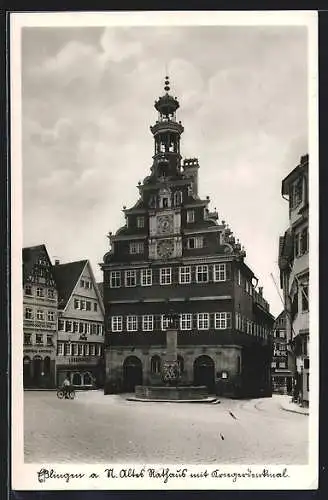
x=167 y=132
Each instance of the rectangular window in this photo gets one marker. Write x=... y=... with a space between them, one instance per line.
x=184 y=275
x=92 y=350
x=76 y=304
x=186 y=321
x=132 y=323
x=281 y=334
x=136 y=247
x=75 y=326
x=60 y=349
x=81 y=349
x=165 y=276
x=94 y=329
x=69 y=326
x=39 y=292
x=39 y=338
x=82 y=305
x=296 y=194
x=117 y=323
x=82 y=283
x=88 y=328
x=27 y=339
x=75 y=349
x=81 y=327
x=305 y=297
x=87 y=350
x=99 y=353
x=49 y=340
x=130 y=278
x=28 y=290
x=51 y=316
x=273 y=364
x=308 y=382
x=165 y=322
x=140 y=222
x=51 y=293
x=40 y=315
x=61 y=325
x=95 y=306
x=222 y=320
x=202 y=274
x=203 y=321
x=190 y=216
x=146 y=277
x=88 y=305
x=115 y=279
x=147 y=322
x=68 y=349
x=282 y=364
x=196 y=242
x=219 y=272
x=28 y=313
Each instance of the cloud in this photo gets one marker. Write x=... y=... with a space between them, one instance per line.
x=88 y=103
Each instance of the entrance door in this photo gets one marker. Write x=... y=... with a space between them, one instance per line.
x=204 y=372
x=132 y=373
x=37 y=371
x=26 y=371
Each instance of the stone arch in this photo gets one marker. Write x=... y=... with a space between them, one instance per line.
x=37 y=370
x=181 y=363
x=87 y=379
x=46 y=366
x=155 y=364
x=204 y=372
x=27 y=375
x=132 y=373
x=77 y=379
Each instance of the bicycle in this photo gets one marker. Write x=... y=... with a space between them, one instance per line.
x=61 y=394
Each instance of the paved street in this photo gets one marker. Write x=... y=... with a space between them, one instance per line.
x=96 y=428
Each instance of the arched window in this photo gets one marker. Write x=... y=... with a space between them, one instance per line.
x=181 y=363
x=155 y=364
x=178 y=198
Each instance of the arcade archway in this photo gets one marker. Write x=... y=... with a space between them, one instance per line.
x=204 y=372
x=132 y=373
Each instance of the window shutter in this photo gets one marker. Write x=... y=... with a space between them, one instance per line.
x=194 y=321
x=229 y=320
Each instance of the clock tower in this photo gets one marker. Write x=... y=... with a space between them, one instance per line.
x=173 y=254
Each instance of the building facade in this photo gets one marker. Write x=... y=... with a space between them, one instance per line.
x=39 y=319
x=80 y=344
x=294 y=275
x=172 y=255
x=282 y=363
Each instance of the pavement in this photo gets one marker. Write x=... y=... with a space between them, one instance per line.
x=287 y=404
x=95 y=428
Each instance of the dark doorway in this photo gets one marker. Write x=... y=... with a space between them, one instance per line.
x=77 y=380
x=204 y=372
x=37 y=371
x=26 y=371
x=132 y=373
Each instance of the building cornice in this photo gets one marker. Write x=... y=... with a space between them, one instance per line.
x=173 y=299
x=209 y=229
x=215 y=259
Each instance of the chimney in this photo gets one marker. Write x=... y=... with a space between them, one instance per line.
x=57 y=262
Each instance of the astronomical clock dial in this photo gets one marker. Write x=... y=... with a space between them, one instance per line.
x=165 y=248
x=165 y=224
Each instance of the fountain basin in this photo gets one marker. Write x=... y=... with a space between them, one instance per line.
x=171 y=393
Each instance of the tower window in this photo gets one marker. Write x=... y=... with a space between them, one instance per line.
x=222 y=320
x=130 y=278
x=117 y=323
x=219 y=272
x=115 y=279
x=202 y=274
x=186 y=321
x=165 y=276
x=184 y=274
x=196 y=242
x=140 y=222
x=147 y=322
x=136 y=247
x=203 y=321
x=132 y=323
x=146 y=277
x=165 y=322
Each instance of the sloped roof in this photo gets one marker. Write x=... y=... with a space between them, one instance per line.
x=30 y=256
x=66 y=277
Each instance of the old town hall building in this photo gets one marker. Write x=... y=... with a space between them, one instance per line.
x=173 y=255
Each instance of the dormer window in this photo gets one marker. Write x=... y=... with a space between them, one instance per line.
x=190 y=216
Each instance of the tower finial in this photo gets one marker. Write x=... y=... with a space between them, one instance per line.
x=167 y=84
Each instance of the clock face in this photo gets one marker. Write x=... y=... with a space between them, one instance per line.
x=165 y=223
x=165 y=248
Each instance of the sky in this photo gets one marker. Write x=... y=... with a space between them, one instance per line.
x=87 y=105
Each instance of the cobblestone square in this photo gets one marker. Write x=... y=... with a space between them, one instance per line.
x=95 y=428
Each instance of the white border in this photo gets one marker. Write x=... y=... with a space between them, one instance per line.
x=24 y=476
